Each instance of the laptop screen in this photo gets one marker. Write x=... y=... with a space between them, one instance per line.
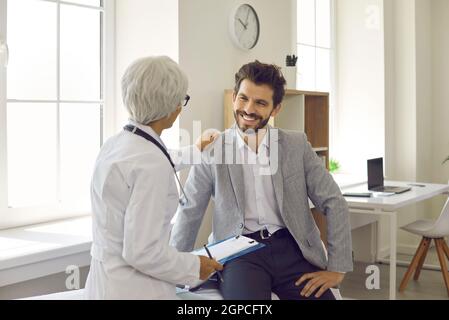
x=375 y=173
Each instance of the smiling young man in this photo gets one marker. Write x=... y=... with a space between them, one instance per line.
x=263 y=194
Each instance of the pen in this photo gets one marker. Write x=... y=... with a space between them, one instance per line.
x=210 y=256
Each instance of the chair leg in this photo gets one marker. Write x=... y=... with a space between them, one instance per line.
x=426 y=245
x=412 y=265
x=440 y=251
x=446 y=248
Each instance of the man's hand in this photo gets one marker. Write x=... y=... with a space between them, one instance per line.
x=206 y=138
x=321 y=279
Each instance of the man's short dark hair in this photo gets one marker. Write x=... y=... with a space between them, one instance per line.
x=262 y=73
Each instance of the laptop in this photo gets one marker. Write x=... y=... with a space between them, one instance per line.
x=376 y=178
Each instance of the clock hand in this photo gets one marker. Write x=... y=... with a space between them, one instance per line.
x=247 y=16
x=244 y=25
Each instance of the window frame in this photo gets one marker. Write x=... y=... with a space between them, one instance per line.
x=333 y=92
x=332 y=48
x=14 y=217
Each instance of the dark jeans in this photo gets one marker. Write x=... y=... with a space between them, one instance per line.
x=273 y=268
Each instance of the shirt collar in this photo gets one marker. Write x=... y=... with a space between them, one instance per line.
x=264 y=143
x=148 y=130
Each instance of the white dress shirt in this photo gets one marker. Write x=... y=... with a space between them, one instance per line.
x=134 y=197
x=261 y=208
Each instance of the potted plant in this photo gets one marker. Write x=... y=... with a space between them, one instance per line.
x=290 y=71
x=334 y=166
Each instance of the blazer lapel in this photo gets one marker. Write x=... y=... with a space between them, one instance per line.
x=236 y=174
x=276 y=166
x=235 y=170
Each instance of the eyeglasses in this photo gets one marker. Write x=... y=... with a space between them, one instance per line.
x=186 y=100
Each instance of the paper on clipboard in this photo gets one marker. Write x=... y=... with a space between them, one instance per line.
x=230 y=248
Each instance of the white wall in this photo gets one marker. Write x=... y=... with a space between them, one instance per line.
x=424 y=83
x=359 y=128
x=400 y=106
x=210 y=59
x=201 y=43
x=384 y=87
x=440 y=96
x=424 y=107
x=404 y=91
x=416 y=130
x=144 y=28
x=360 y=84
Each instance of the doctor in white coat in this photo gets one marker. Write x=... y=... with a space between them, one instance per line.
x=134 y=194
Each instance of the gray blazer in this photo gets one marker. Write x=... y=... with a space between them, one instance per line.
x=300 y=175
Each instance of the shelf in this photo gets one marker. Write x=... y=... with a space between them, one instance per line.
x=293 y=92
x=320 y=149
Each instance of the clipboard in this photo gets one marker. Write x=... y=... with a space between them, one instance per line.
x=230 y=248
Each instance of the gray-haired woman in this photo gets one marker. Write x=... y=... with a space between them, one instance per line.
x=134 y=194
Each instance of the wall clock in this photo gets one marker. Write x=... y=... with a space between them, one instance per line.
x=244 y=27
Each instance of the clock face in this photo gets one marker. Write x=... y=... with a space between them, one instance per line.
x=245 y=27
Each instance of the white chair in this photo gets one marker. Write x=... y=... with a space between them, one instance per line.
x=429 y=230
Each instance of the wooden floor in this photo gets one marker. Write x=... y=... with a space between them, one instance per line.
x=430 y=285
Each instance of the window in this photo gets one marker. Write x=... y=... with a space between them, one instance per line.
x=53 y=119
x=314 y=45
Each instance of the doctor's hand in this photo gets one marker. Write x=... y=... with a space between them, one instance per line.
x=321 y=280
x=206 y=138
x=208 y=266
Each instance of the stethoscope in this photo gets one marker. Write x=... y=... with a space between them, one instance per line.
x=143 y=134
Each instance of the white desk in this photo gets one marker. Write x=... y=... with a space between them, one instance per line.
x=388 y=206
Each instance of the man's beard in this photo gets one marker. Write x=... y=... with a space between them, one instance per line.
x=261 y=125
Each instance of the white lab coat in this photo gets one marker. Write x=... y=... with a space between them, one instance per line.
x=134 y=197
